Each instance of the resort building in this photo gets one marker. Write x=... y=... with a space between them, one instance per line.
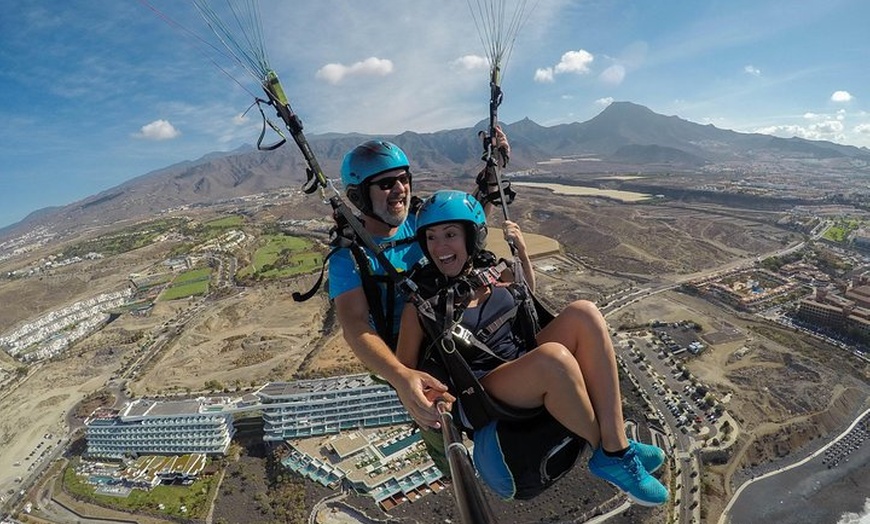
x=290 y=410
x=161 y=428
x=747 y=290
x=363 y=440
x=389 y=464
x=840 y=312
x=309 y=408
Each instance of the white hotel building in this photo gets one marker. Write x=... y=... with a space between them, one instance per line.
x=169 y=428
x=309 y=408
x=290 y=410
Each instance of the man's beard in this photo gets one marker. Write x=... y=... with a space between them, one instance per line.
x=393 y=220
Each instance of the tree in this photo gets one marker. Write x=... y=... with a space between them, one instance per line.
x=213 y=385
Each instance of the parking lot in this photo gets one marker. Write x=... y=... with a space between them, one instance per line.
x=682 y=401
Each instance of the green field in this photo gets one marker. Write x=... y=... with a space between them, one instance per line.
x=226 y=222
x=203 y=273
x=188 y=284
x=841 y=230
x=282 y=256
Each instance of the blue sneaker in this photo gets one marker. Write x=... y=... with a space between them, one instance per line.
x=628 y=474
x=652 y=457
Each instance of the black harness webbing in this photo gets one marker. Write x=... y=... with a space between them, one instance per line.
x=441 y=320
x=344 y=235
x=381 y=313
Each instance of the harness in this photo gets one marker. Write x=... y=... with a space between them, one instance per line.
x=447 y=338
x=372 y=284
x=343 y=236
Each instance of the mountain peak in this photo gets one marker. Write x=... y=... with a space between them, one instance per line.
x=626 y=110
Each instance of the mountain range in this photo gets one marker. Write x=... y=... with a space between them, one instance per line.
x=623 y=137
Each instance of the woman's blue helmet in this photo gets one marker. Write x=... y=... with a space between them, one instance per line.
x=365 y=161
x=453 y=206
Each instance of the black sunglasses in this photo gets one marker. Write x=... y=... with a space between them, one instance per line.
x=388 y=182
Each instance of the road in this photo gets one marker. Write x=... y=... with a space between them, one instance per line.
x=682 y=445
x=661 y=387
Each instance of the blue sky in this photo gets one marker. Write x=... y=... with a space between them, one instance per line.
x=93 y=93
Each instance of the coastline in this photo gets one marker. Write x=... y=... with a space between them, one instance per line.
x=811 y=491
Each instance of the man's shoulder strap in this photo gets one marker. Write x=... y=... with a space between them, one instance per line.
x=381 y=313
x=302 y=297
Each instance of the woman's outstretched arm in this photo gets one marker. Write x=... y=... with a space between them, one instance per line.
x=424 y=389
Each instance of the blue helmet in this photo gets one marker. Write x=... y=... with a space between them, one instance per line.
x=365 y=161
x=453 y=206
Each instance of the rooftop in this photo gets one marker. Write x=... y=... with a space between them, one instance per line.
x=287 y=389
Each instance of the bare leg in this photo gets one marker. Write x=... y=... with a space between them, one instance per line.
x=581 y=328
x=548 y=376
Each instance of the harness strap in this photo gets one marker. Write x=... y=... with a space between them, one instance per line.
x=530 y=324
x=396 y=243
x=302 y=297
x=275 y=128
x=382 y=317
x=488 y=330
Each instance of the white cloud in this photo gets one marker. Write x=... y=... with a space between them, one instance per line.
x=780 y=130
x=613 y=75
x=863 y=129
x=752 y=70
x=372 y=66
x=606 y=101
x=841 y=96
x=827 y=127
x=825 y=130
x=544 y=75
x=574 y=62
x=158 y=130
x=571 y=62
x=471 y=62
x=812 y=116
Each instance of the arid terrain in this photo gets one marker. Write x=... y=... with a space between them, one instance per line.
x=786 y=391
